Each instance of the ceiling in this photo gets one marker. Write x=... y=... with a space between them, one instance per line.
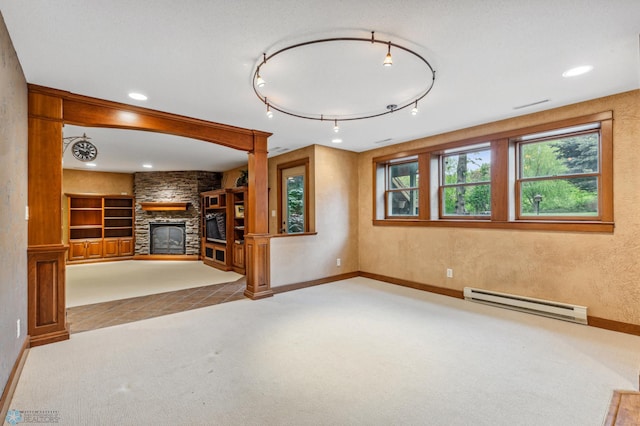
x=197 y=58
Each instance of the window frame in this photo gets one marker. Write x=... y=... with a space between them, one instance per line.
x=280 y=170
x=519 y=179
x=388 y=190
x=503 y=178
x=442 y=185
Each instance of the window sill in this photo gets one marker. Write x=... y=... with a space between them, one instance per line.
x=532 y=225
x=301 y=234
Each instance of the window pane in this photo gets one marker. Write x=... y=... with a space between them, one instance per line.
x=403 y=175
x=403 y=203
x=560 y=197
x=562 y=156
x=465 y=200
x=468 y=167
x=295 y=204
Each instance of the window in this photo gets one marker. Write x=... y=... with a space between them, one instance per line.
x=559 y=176
x=465 y=188
x=402 y=179
x=293 y=197
x=556 y=176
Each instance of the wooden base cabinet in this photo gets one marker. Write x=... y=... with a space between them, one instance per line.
x=83 y=250
x=238 y=257
x=114 y=247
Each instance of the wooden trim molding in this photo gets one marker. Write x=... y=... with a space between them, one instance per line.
x=166 y=257
x=11 y=384
x=87 y=111
x=612 y=325
x=164 y=206
x=305 y=284
x=412 y=284
x=521 y=225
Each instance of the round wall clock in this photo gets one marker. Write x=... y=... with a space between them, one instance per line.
x=84 y=150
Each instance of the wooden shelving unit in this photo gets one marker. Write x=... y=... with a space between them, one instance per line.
x=223 y=229
x=237 y=259
x=100 y=227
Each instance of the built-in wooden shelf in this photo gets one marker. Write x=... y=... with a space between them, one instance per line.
x=164 y=206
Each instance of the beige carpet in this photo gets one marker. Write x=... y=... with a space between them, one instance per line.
x=102 y=282
x=355 y=352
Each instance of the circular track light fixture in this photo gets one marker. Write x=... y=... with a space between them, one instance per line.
x=276 y=65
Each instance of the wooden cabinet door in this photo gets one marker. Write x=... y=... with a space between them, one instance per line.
x=238 y=255
x=125 y=247
x=77 y=250
x=94 y=249
x=110 y=247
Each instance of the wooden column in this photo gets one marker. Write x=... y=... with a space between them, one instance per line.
x=46 y=252
x=258 y=238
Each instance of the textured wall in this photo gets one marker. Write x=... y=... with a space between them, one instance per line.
x=88 y=182
x=600 y=271
x=302 y=258
x=13 y=199
x=184 y=187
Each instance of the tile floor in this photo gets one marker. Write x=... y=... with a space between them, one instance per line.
x=99 y=315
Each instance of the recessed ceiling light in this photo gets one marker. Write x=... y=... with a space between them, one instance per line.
x=573 y=72
x=91 y=164
x=336 y=140
x=137 y=96
x=147 y=166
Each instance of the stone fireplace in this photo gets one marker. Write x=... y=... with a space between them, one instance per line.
x=183 y=187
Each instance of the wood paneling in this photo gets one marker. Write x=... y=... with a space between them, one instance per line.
x=257 y=221
x=45 y=172
x=258 y=274
x=46 y=294
x=500 y=180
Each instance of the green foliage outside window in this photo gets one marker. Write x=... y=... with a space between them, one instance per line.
x=553 y=176
x=295 y=204
x=467 y=189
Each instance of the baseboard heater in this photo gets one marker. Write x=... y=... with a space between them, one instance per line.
x=562 y=311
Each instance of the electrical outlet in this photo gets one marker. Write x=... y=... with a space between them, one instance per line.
x=338 y=262
x=18 y=329
x=449 y=273
x=26 y=212
x=273 y=213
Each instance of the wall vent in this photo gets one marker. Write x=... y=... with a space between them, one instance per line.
x=562 y=311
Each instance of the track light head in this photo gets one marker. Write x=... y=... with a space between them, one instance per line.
x=387 y=60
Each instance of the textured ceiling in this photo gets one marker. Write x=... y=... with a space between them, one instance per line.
x=197 y=58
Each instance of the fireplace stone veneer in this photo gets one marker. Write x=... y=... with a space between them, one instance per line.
x=183 y=186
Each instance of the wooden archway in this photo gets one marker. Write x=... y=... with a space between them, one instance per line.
x=49 y=109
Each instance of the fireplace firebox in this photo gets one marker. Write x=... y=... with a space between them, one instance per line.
x=167 y=238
